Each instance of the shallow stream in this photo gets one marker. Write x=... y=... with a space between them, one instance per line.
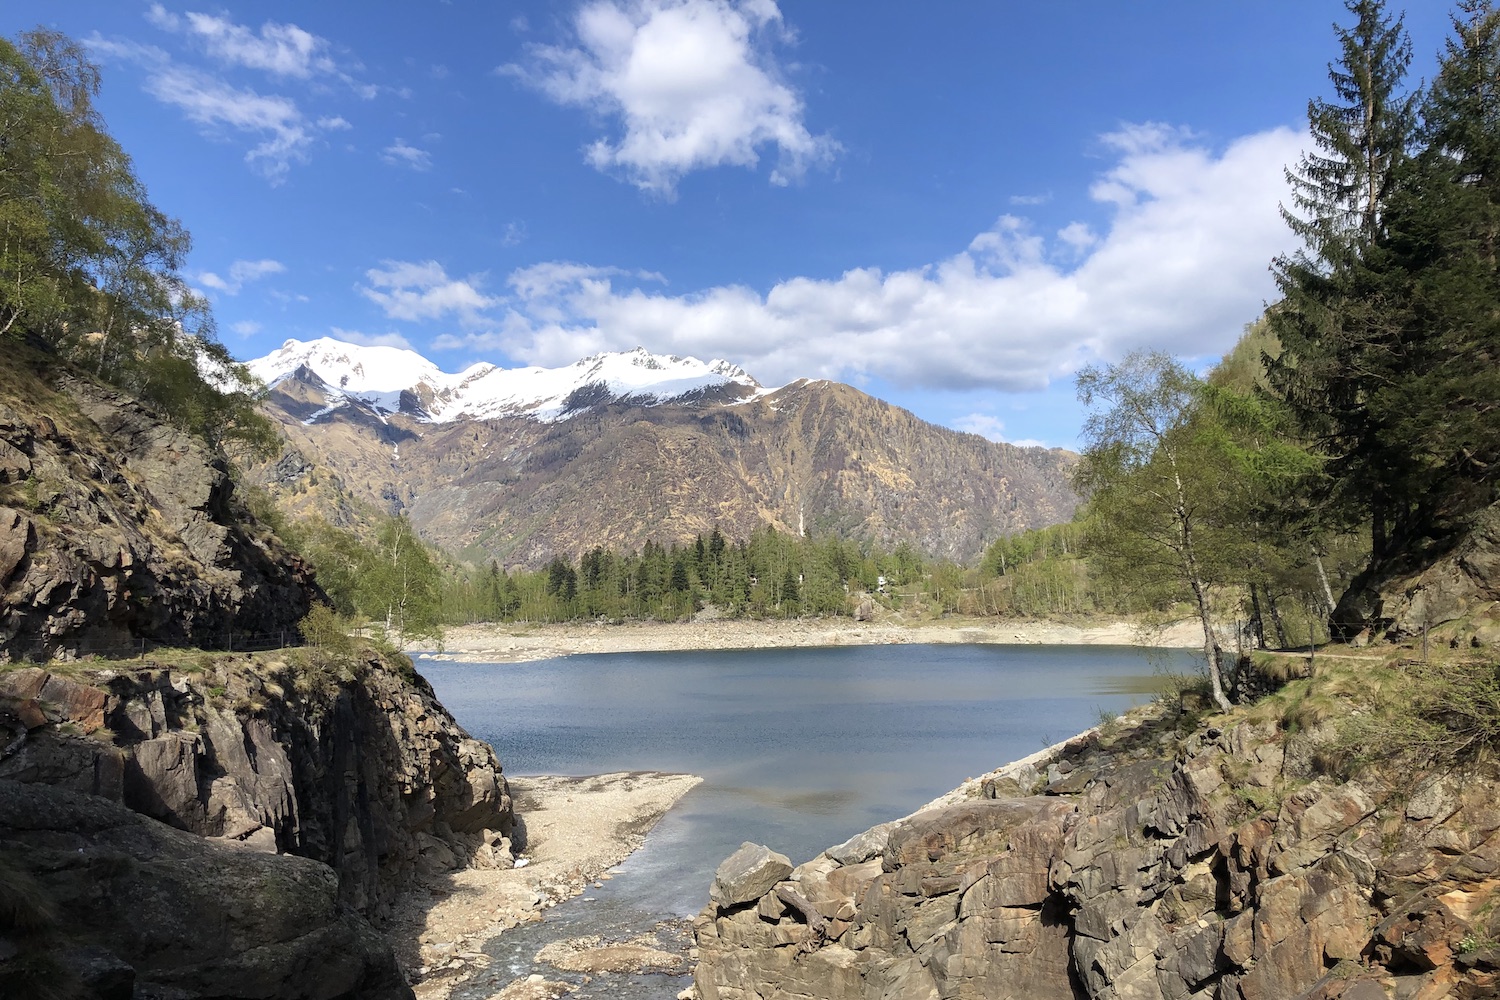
x=799 y=749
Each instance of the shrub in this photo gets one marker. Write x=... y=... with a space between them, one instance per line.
x=326 y=629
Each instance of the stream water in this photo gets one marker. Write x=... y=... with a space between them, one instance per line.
x=799 y=749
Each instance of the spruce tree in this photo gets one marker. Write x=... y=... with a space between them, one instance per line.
x=1341 y=315
x=1443 y=410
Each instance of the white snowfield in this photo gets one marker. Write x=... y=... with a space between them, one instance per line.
x=377 y=377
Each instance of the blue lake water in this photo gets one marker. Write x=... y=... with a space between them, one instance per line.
x=799 y=749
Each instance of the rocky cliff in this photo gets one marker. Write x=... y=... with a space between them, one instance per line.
x=117 y=527
x=1426 y=588
x=1154 y=862
x=236 y=815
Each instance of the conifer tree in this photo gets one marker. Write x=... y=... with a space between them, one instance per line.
x=1342 y=311
x=1441 y=411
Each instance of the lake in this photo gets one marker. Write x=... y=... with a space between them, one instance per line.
x=799 y=749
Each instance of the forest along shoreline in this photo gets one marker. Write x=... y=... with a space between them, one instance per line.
x=515 y=642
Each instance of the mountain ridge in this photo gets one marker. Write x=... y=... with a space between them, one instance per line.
x=620 y=468
x=399 y=380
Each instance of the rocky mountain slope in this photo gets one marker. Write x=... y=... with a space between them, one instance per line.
x=619 y=465
x=223 y=825
x=115 y=526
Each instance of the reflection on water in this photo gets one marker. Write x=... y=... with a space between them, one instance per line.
x=825 y=802
x=799 y=748
x=1142 y=684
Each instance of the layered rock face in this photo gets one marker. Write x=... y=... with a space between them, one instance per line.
x=351 y=766
x=1216 y=865
x=116 y=527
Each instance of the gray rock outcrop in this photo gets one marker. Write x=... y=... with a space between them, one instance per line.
x=1423 y=591
x=139 y=909
x=1220 y=866
x=115 y=526
x=365 y=772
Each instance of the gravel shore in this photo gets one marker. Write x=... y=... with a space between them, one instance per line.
x=514 y=642
x=576 y=829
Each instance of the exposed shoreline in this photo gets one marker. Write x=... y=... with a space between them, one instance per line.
x=576 y=829
x=517 y=642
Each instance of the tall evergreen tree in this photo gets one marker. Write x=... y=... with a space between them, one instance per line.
x=1443 y=412
x=1343 y=307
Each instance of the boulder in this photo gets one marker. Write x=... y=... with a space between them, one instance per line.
x=179 y=915
x=748 y=874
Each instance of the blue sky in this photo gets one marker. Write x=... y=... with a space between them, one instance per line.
x=952 y=205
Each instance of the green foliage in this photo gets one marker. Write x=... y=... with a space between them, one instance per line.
x=1160 y=479
x=390 y=579
x=326 y=629
x=1391 y=345
x=1439 y=714
x=89 y=265
x=770 y=574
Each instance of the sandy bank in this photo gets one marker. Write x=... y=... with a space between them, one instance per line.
x=576 y=829
x=511 y=642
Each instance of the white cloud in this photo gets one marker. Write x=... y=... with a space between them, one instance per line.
x=246 y=327
x=400 y=154
x=283 y=134
x=241 y=272
x=983 y=424
x=1025 y=200
x=334 y=123
x=412 y=291
x=691 y=84
x=370 y=339
x=279 y=49
x=1179 y=264
x=1077 y=235
x=987 y=425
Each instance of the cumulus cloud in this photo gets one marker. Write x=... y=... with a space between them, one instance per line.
x=690 y=83
x=392 y=339
x=414 y=292
x=246 y=327
x=400 y=154
x=241 y=272
x=1179 y=264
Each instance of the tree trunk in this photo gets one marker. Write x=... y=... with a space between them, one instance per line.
x=1323 y=579
x=1210 y=642
x=1257 y=623
x=1276 y=623
x=1211 y=649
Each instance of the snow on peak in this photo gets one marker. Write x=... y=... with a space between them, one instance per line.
x=390 y=379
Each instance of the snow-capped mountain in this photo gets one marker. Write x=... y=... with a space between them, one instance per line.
x=390 y=380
